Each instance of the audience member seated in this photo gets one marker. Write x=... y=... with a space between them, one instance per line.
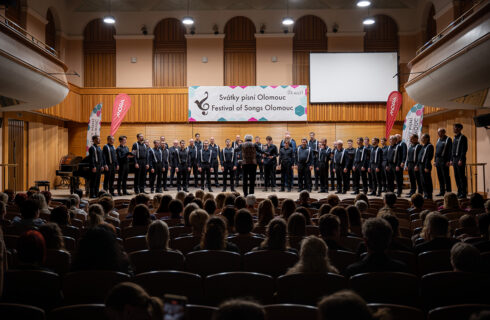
x=436 y=234
x=465 y=257
x=251 y=201
x=208 y=196
x=229 y=214
x=484 y=226
x=477 y=204
x=361 y=196
x=341 y=213
x=158 y=236
x=215 y=236
x=19 y=200
x=95 y=215
x=265 y=213
x=329 y=225
x=210 y=206
x=240 y=203
x=487 y=206
x=176 y=209
x=29 y=215
x=75 y=207
x=303 y=200
x=3 y=210
x=53 y=237
x=389 y=201
x=180 y=196
x=347 y=304
x=229 y=199
x=4 y=197
x=418 y=236
x=313 y=257
x=128 y=300
x=276 y=237
x=362 y=206
x=306 y=214
x=41 y=202
x=355 y=224
x=275 y=200
x=377 y=235
x=236 y=309
x=188 y=209
x=109 y=216
x=188 y=199
x=296 y=229
x=98 y=249
x=288 y=208
x=451 y=202
x=333 y=200
x=198 y=220
x=199 y=194
x=31 y=251
x=141 y=216
x=199 y=203
x=220 y=200
x=244 y=224
x=468 y=227
x=163 y=208
x=417 y=201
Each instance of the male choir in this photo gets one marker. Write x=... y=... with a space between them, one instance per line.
x=374 y=166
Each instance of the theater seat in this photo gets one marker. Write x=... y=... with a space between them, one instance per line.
x=33 y=287
x=207 y=262
x=456 y=312
x=308 y=288
x=246 y=243
x=452 y=288
x=158 y=283
x=58 y=261
x=434 y=261
x=154 y=260
x=271 y=262
x=399 y=312
x=135 y=244
x=83 y=287
x=198 y=312
x=13 y=311
x=290 y=312
x=387 y=287
x=179 y=231
x=184 y=244
x=226 y=285
x=341 y=259
x=79 y=312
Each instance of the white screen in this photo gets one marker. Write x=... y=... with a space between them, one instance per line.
x=352 y=77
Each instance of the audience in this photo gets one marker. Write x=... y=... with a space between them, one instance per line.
x=306 y=214
x=230 y=199
x=333 y=200
x=164 y=202
x=41 y=203
x=313 y=257
x=265 y=213
x=60 y=216
x=304 y=197
x=128 y=300
x=468 y=227
x=240 y=203
x=107 y=204
x=477 y=204
x=274 y=199
x=215 y=236
x=199 y=194
x=210 y=206
x=75 y=207
x=276 y=237
x=95 y=215
x=347 y=304
x=53 y=237
x=238 y=309
x=362 y=206
x=436 y=234
x=377 y=235
x=180 y=196
x=189 y=208
x=395 y=243
x=141 y=216
x=417 y=201
x=484 y=226
x=341 y=213
x=198 y=220
x=31 y=250
x=229 y=214
x=451 y=202
x=288 y=208
x=176 y=208
x=244 y=223
x=389 y=200
x=250 y=201
x=3 y=210
x=29 y=215
x=157 y=236
x=329 y=225
x=355 y=224
x=465 y=257
x=220 y=200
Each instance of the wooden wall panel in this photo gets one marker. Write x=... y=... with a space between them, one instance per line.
x=381 y=36
x=69 y=109
x=169 y=54
x=239 y=52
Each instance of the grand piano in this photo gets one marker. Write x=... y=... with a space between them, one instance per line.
x=72 y=168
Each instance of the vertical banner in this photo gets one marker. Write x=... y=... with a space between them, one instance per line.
x=413 y=122
x=392 y=106
x=122 y=103
x=93 y=125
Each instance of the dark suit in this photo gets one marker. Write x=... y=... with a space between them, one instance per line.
x=315 y=146
x=361 y=161
x=340 y=160
x=193 y=165
x=110 y=159
x=323 y=167
x=96 y=160
x=304 y=159
x=442 y=157
x=141 y=158
x=376 y=262
x=436 y=244
x=286 y=161
x=269 y=161
x=459 y=149
x=376 y=162
x=425 y=162
x=228 y=161
x=156 y=163
x=122 y=175
x=205 y=160
x=411 y=162
x=215 y=164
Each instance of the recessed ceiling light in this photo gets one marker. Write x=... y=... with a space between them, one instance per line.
x=287 y=21
x=363 y=3
x=188 y=20
x=368 y=21
x=109 y=19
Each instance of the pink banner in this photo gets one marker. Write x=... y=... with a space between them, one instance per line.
x=392 y=107
x=119 y=110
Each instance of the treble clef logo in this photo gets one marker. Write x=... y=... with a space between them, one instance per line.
x=204 y=107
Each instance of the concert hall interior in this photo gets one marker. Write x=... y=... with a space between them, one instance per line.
x=342 y=70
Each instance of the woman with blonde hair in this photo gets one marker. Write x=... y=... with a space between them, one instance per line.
x=95 y=215
x=450 y=201
x=265 y=213
x=313 y=257
x=157 y=236
x=43 y=206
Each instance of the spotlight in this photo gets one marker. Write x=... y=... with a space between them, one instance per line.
x=287 y=21
x=188 y=21
x=109 y=19
x=363 y=3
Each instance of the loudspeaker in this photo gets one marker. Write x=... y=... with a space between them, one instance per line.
x=482 y=120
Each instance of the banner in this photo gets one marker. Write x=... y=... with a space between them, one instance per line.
x=248 y=103
x=392 y=106
x=122 y=103
x=413 y=122
x=93 y=125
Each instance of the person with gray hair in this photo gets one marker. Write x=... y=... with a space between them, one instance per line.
x=377 y=234
x=362 y=206
x=4 y=197
x=250 y=200
x=249 y=152
x=465 y=257
x=74 y=206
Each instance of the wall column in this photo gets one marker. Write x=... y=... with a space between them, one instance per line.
x=274 y=58
x=205 y=59
x=134 y=60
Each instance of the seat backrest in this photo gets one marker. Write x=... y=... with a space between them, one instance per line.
x=133 y=231
x=451 y=288
x=227 y=285
x=184 y=244
x=10 y=241
x=70 y=243
x=199 y=312
x=295 y=241
x=434 y=261
x=159 y=283
x=308 y=288
x=290 y=312
x=399 y=312
x=179 y=231
x=409 y=258
x=386 y=287
x=207 y=262
x=341 y=259
x=462 y=311
x=58 y=261
x=71 y=231
x=79 y=312
x=154 y=260
x=13 y=311
x=135 y=243
x=245 y=243
x=260 y=230
x=82 y=287
x=33 y=287
x=271 y=262
x=312 y=230
x=350 y=243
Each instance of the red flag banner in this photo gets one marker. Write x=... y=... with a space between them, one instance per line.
x=392 y=107
x=119 y=110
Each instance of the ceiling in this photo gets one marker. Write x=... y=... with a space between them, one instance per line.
x=176 y=5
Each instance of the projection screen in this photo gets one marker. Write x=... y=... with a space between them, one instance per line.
x=352 y=77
